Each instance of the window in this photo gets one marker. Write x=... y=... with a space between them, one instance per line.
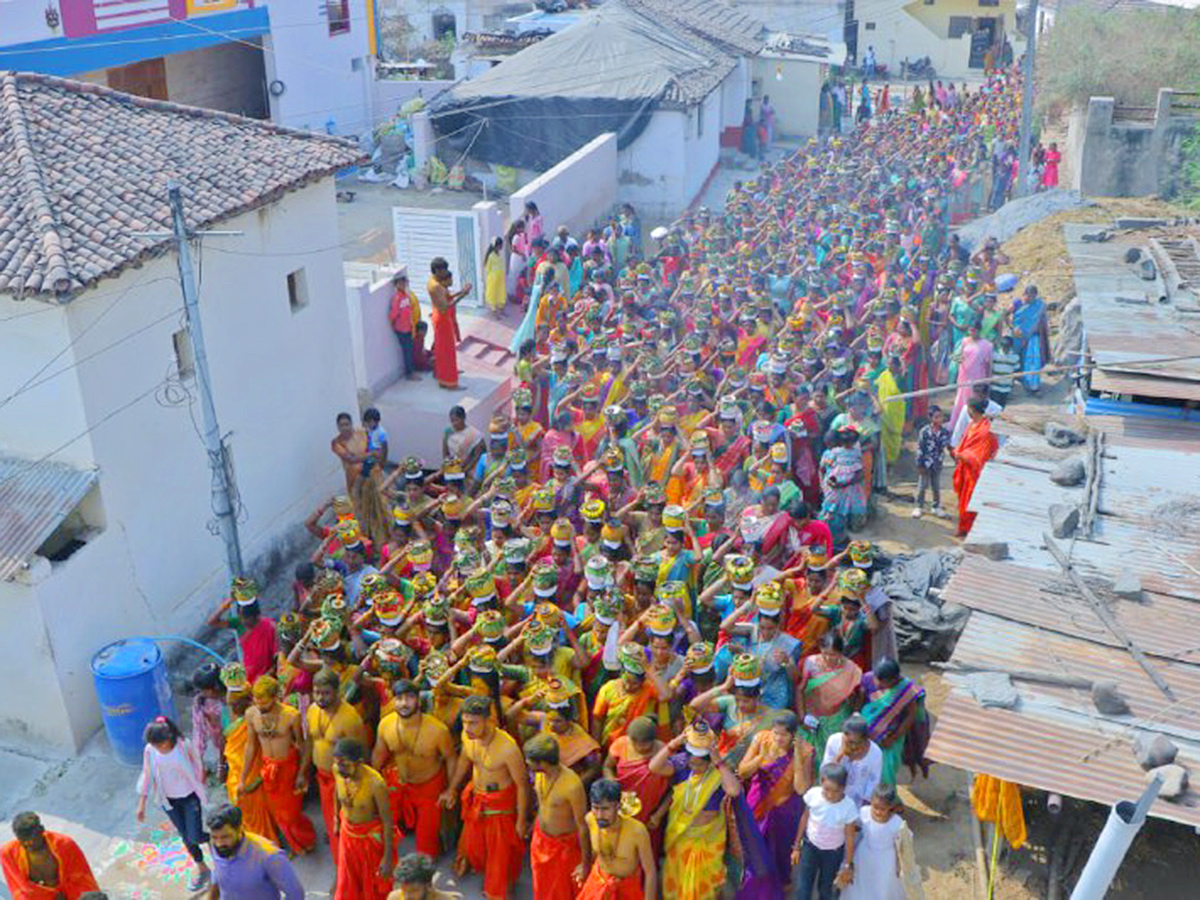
x=989 y=2
x=339 y=16
x=297 y=286
x=700 y=119
x=356 y=64
x=185 y=362
x=959 y=25
x=870 y=26
x=83 y=523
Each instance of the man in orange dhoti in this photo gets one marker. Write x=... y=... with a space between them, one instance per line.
x=495 y=803
x=558 y=854
x=274 y=732
x=330 y=718
x=977 y=447
x=624 y=867
x=364 y=826
x=44 y=865
x=416 y=754
x=256 y=817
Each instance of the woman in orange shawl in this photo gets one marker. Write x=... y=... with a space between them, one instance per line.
x=977 y=447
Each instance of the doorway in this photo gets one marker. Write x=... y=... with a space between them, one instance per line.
x=147 y=78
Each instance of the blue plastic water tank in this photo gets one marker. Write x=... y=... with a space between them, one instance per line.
x=131 y=684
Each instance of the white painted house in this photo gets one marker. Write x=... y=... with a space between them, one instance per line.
x=670 y=79
x=303 y=64
x=104 y=484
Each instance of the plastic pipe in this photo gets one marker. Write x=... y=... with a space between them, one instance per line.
x=1125 y=820
x=174 y=637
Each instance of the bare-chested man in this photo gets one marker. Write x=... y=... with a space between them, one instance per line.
x=415 y=753
x=624 y=867
x=559 y=853
x=414 y=880
x=364 y=825
x=330 y=719
x=495 y=802
x=274 y=730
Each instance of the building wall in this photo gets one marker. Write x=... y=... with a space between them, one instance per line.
x=913 y=29
x=326 y=77
x=45 y=406
x=279 y=377
x=576 y=192
x=34 y=715
x=229 y=77
x=702 y=147
x=666 y=168
x=1111 y=156
x=389 y=95
x=652 y=171
x=796 y=94
x=823 y=17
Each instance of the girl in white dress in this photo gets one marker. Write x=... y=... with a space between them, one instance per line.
x=877 y=873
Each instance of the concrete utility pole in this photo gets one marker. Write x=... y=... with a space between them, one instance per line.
x=1023 y=157
x=223 y=490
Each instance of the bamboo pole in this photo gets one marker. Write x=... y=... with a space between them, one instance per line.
x=1045 y=370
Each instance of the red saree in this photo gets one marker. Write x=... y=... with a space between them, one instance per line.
x=977 y=447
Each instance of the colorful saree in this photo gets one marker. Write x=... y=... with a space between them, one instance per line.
x=829 y=696
x=694 y=865
x=884 y=712
x=767 y=817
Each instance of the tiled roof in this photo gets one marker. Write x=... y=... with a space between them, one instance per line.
x=713 y=21
x=83 y=167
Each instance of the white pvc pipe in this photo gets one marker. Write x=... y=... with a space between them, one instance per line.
x=1125 y=820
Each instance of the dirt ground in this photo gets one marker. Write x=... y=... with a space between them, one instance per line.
x=1164 y=861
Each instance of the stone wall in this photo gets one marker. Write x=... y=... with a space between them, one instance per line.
x=1117 y=151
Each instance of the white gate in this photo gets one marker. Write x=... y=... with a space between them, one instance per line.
x=422 y=234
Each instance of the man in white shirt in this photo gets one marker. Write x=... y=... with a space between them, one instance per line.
x=960 y=424
x=860 y=755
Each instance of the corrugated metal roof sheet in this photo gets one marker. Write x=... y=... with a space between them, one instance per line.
x=1149 y=510
x=1045 y=754
x=35 y=497
x=1055 y=738
x=1144 y=385
x=1027 y=616
x=1161 y=625
x=1126 y=318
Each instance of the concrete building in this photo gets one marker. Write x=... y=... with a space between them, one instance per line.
x=671 y=80
x=954 y=34
x=104 y=484
x=790 y=70
x=304 y=65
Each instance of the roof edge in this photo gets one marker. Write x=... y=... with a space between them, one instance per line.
x=86 y=87
x=58 y=272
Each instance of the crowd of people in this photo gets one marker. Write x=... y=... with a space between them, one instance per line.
x=628 y=637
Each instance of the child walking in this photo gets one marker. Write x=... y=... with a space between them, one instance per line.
x=173 y=773
x=208 y=716
x=883 y=860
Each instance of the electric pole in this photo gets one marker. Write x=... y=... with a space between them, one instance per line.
x=1023 y=158
x=223 y=490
